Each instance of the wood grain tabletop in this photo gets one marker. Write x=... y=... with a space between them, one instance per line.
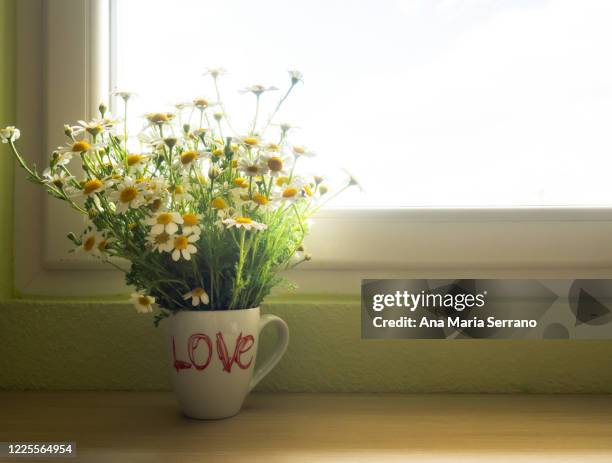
x=139 y=426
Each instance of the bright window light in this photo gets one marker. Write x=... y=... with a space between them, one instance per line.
x=428 y=102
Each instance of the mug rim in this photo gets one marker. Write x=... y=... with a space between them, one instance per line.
x=189 y=311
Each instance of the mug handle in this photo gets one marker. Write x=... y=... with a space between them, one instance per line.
x=279 y=350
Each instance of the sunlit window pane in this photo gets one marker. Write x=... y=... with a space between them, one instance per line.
x=428 y=103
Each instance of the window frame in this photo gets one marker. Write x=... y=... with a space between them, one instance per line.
x=64 y=63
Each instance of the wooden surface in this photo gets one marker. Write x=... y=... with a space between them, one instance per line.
x=131 y=426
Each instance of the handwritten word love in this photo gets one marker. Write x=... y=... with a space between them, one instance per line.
x=199 y=340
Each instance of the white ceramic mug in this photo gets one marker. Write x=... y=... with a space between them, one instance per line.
x=212 y=356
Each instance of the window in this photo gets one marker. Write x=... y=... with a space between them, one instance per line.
x=477 y=128
x=430 y=103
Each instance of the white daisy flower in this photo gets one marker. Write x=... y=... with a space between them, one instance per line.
x=159 y=118
x=214 y=72
x=94 y=185
x=128 y=195
x=286 y=127
x=135 y=161
x=94 y=127
x=155 y=191
x=92 y=243
x=142 y=302
x=124 y=95
x=9 y=134
x=302 y=151
x=164 y=222
x=189 y=158
x=290 y=192
x=157 y=186
x=257 y=89
x=163 y=242
x=262 y=201
x=78 y=147
x=244 y=222
x=353 y=181
x=59 y=179
x=181 y=105
x=248 y=140
x=191 y=224
x=202 y=103
x=198 y=296
x=183 y=246
x=296 y=76
x=252 y=167
x=219 y=203
x=278 y=164
x=179 y=193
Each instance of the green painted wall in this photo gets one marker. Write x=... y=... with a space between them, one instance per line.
x=106 y=345
x=59 y=345
x=7 y=117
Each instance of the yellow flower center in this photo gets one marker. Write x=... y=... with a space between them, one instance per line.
x=92 y=185
x=241 y=182
x=280 y=181
x=298 y=150
x=244 y=220
x=89 y=243
x=128 y=194
x=164 y=218
x=181 y=242
x=308 y=190
x=290 y=192
x=187 y=157
x=197 y=292
x=102 y=245
x=275 y=164
x=162 y=238
x=143 y=300
x=273 y=147
x=177 y=190
x=156 y=204
x=217 y=152
x=202 y=102
x=190 y=220
x=218 y=203
x=94 y=129
x=260 y=199
x=252 y=169
x=157 y=118
x=251 y=141
x=133 y=159
x=80 y=146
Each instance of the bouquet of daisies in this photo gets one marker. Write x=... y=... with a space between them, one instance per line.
x=206 y=216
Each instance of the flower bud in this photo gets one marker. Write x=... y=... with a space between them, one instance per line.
x=72 y=237
x=102 y=108
x=68 y=130
x=170 y=141
x=323 y=189
x=213 y=172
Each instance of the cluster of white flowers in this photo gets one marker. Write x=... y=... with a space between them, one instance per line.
x=193 y=180
x=165 y=235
